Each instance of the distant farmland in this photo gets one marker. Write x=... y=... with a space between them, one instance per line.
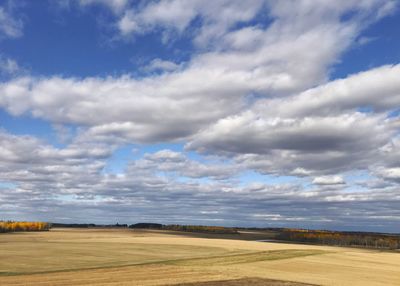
x=122 y=256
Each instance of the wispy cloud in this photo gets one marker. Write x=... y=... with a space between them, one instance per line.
x=10 y=25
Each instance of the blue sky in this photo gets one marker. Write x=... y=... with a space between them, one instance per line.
x=227 y=113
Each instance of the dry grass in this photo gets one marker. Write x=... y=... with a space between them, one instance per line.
x=125 y=257
x=23 y=258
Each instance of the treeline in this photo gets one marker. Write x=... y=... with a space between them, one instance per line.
x=142 y=225
x=187 y=228
x=87 y=225
x=12 y=226
x=359 y=239
x=147 y=225
x=201 y=228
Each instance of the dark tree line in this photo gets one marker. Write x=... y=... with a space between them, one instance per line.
x=368 y=240
x=88 y=225
x=187 y=228
x=201 y=228
x=146 y=225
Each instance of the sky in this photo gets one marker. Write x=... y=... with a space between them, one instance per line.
x=235 y=113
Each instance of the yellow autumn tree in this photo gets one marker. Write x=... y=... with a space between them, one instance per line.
x=13 y=226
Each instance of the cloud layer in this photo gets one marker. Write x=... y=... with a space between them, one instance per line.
x=269 y=137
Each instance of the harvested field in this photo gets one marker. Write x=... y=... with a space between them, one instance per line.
x=124 y=257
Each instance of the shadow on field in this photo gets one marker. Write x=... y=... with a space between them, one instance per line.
x=242 y=235
x=246 y=257
x=246 y=282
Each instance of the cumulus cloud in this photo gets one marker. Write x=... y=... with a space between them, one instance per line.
x=176 y=162
x=311 y=144
x=377 y=89
x=214 y=84
x=68 y=184
x=40 y=172
x=323 y=129
x=329 y=180
x=308 y=134
x=392 y=174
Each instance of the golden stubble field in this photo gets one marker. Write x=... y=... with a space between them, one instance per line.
x=126 y=257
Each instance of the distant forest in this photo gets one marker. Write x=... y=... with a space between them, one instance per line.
x=176 y=227
x=324 y=237
x=199 y=228
x=339 y=238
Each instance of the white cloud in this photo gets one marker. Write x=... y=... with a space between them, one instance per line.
x=377 y=89
x=391 y=173
x=212 y=85
x=328 y=180
x=51 y=182
x=161 y=65
x=217 y=17
x=316 y=144
x=318 y=130
x=177 y=163
x=301 y=172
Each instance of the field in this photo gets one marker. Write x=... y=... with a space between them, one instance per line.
x=138 y=257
